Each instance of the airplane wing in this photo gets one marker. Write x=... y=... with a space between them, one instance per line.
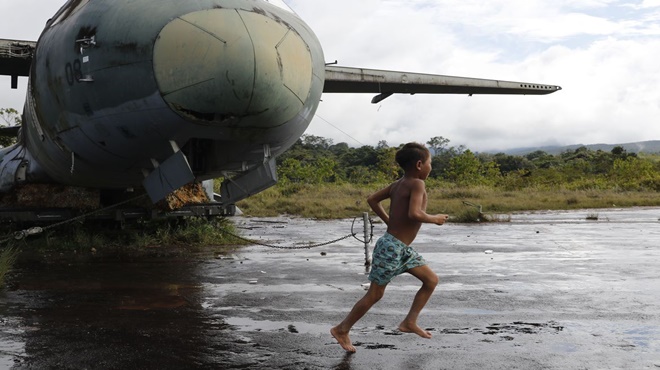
x=385 y=83
x=15 y=58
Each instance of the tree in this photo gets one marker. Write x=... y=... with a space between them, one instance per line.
x=443 y=156
x=510 y=163
x=316 y=142
x=11 y=117
x=437 y=144
x=630 y=172
x=541 y=159
x=363 y=156
x=464 y=169
x=387 y=166
x=317 y=172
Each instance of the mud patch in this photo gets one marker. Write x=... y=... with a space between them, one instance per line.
x=374 y=345
x=517 y=327
x=520 y=327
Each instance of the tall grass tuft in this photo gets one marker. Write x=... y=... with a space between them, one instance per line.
x=187 y=234
x=467 y=215
x=8 y=257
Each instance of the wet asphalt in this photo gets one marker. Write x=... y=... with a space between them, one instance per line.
x=547 y=290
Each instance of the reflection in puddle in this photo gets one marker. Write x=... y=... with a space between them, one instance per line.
x=645 y=337
x=109 y=314
x=565 y=347
x=246 y=324
x=12 y=348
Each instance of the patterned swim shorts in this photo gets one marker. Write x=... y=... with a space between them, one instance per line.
x=391 y=257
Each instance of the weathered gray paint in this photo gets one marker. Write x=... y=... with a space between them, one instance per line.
x=360 y=80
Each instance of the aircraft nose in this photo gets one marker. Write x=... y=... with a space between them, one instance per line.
x=232 y=67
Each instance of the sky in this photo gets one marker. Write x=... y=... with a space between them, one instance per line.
x=603 y=53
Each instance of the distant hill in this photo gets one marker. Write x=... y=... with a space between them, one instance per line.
x=652 y=146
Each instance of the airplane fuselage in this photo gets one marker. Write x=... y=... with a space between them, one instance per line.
x=117 y=86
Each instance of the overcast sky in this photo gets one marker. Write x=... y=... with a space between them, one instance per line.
x=604 y=53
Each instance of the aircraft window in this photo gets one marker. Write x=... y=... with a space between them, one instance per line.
x=69 y=8
x=280 y=4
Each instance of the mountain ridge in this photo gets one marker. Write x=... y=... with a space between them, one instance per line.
x=650 y=146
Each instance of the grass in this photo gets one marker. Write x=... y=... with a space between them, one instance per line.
x=157 y=238
x=313 y=201
x=349 y=200
x=179 y=236
x=7 y=258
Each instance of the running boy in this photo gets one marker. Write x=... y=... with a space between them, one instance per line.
x=392 y=255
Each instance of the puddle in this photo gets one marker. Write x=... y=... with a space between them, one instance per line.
x=246 y=325
x=477 y=311
x=644 y=337
x=565 y=347
x=11 y=350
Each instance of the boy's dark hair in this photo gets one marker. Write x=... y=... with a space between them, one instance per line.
x=410 y=153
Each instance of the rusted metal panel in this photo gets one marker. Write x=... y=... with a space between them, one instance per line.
x=190 y=194
x=15 y=59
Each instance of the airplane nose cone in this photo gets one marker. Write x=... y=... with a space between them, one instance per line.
x=232 y=67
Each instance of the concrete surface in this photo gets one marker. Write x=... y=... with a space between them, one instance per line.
x=547 y=290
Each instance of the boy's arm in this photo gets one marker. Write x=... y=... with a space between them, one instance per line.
x=374 y=202
x=416 y=210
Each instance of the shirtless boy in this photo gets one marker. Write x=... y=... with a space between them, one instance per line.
x=392 y=254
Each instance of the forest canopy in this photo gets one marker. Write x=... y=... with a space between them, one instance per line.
x=317 y=160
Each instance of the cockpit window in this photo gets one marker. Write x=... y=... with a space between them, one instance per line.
x=69 y=8
x=280 y=4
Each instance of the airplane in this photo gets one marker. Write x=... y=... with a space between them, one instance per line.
x=154 y=95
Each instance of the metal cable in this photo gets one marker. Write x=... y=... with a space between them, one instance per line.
x=282 y=247
x=18 y=235
x=352 y=234
x=371 y=235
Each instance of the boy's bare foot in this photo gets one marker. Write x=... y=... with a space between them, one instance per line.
x=343 y=339
x=414 y=328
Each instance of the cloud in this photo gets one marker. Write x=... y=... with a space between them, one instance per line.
x=603 y=57
x=650 y=4
x=603 y=53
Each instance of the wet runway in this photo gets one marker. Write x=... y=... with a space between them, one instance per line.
x=544 y=291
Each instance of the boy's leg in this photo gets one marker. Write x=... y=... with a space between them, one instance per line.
x=340 y=332
x=429 y=282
